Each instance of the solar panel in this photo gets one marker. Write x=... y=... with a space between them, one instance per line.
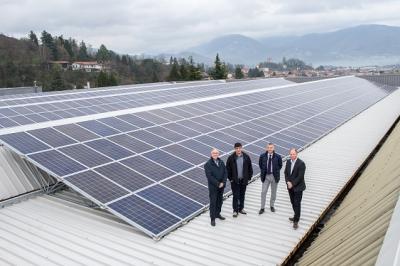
x=51 y=137
x=98 y=128
x=109 y=149
x=85 y=155
x=147 y=167
x=170 y=201
x=56 y=162
x=124 y=176
x=131 y=143
x=24 y=142
x=150 y=218
x=96 y=186
x=77 y=132
x=189 y=155
x=188 y=188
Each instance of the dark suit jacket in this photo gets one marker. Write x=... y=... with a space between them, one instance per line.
x=231 y=167
x=276 y=166
x=215 y=174
x=297 y=176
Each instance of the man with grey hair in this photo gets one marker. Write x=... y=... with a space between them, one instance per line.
x=294 y=176
x=270 y=164
x=216 y=175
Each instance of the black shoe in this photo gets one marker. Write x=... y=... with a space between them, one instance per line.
x=261 y=211
x=272 y=209
x=242 y=212
x=291 y=219
x=235 y=214
x=221 y=217
x=295 y=225
x=212 y=222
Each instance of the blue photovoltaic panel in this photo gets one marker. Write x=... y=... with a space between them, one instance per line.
x=148 y=168
x=85 y=155
x=150 y=138
x=166 y=133
x=197 y=146
x=124 y=176
x=170 y=201
x=109 y=149
x=24 y=143
x=51 y=137
x=188 y=188
x=77 y=132
x=188 y=132
x=136 y=121
x=174 y=163
x=189 y=155
x=97 y=186
x=22 y=120
x=144 y=214
x=57 y=163
x=131 y=143
x=98 y=128
x=6 y=122
x=118 y=124
x=197 y=174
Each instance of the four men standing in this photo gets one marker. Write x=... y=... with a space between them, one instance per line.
x=239 y=171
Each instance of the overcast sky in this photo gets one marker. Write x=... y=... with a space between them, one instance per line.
x=148 y=26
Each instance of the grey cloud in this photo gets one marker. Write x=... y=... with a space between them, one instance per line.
x=142 y=26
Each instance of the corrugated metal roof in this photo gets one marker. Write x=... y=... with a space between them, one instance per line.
x=16 y=177
x=355 y=232
x=45 y=231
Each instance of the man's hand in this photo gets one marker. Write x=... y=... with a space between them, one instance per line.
x=221 y=185
x=289 y=185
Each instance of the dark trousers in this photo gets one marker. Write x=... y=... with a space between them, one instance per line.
x=238 y=191
x=295 y=199
x=216 y=196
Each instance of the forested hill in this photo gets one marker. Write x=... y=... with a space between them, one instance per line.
x=48 y=60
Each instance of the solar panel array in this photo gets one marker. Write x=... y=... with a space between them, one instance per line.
x=146 y=167
x=30 y=110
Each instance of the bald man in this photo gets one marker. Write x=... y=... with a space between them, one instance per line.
x=216 y=175
x=294 y=177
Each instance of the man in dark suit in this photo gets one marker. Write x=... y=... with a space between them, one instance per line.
x=240 y=172
x=294 y=176
x=270 y=164
x=216 y=175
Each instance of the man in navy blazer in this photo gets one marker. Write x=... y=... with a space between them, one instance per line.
x=216 y=174
x=270 y=164
x=294 y=176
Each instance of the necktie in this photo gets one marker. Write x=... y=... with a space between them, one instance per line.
x=269 y=164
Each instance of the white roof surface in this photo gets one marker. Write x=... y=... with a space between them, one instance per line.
x=47 y=231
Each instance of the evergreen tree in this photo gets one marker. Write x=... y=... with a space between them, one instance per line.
x=194 y=72
x=219 y=71
x=238 y=73
x=255 y=73
x=68 y=47
x=112 y=80
x=184 y=73
x=102 y=79
x=83 y=54
x=33 y=38
x=57 y=82
x=103 y=54
x=174 y=73
x=48 y=41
